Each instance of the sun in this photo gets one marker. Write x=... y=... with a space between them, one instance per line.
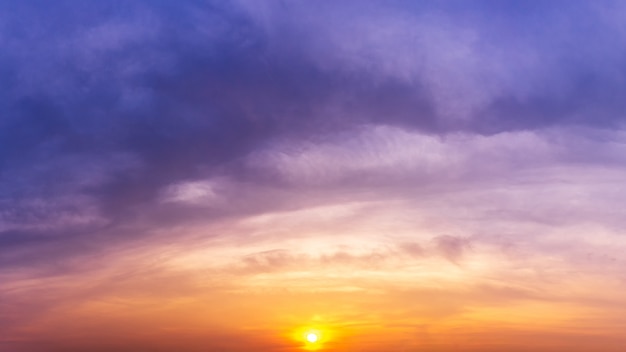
x=312 y=337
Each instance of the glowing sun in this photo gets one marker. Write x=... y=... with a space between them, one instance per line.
x=312 y=337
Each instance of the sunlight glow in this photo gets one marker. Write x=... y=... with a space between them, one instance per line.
x=313 y=338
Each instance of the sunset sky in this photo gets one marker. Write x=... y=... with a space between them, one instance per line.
x=312 y=175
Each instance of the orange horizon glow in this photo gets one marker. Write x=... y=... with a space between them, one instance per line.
x=376 y=308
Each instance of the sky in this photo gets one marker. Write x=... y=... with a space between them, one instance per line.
x=300 y=175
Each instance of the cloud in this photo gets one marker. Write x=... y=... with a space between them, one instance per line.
x=500 y=66
x=390 y=152
x=452 y=247
x=197 y=192
x=186 y=93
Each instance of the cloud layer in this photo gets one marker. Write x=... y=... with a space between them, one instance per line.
x=184 y=177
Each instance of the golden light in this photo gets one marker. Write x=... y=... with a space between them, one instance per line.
x=312 y=337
